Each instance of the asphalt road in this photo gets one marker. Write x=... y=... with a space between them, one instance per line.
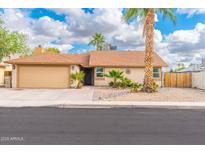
x=101 y=126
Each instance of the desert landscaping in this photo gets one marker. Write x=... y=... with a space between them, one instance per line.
x=164 y=94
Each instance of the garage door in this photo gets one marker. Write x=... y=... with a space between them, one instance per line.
x=43 y=76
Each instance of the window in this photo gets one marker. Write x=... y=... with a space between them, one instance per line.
x=127 y=71
x=99 y=72
x=156 y=72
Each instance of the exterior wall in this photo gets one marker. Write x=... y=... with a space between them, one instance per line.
x=2 y=75
x=198 y=80
x=73 y=69
x=136 y=74
x=13 y=78
x=2 y=70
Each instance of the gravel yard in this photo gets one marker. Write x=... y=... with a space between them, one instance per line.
x=164 y=94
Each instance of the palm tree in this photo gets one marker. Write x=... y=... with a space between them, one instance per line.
x=115 y=75
x=148 y=15
x=97 y=40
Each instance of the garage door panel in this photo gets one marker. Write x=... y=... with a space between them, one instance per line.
x=43 y=76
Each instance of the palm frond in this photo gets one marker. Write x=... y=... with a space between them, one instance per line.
x=132 y=13
x=168 y=12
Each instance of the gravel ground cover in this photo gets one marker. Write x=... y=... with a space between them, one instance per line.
x=164 y=94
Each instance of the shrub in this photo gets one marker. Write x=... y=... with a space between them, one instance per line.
x=111 y=83
x=78 y=77
x=115 y=75
x=155 y=87
x=136 y=87
x=125 y=82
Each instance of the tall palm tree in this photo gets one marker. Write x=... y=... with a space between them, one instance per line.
x=97 y=40
x=148 y=15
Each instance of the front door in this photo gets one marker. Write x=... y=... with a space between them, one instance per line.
x=88 y=78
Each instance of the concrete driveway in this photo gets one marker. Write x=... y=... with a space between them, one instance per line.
x=44 y=96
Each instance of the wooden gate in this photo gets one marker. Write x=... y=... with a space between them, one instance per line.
x=182 y=80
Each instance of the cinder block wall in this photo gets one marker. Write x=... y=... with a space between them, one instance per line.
x=198 y=80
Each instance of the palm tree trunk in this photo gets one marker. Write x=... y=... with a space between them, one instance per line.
x=149 y=50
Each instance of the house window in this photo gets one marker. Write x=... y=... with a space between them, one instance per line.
x=99 y=72
x=156 y=72
x=127 y=71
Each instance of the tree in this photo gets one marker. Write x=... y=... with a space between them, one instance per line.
x=52 y=50
x=78 y=77
x=11 y=43
x=180 y=67
x=115 y=75
x=97 y=40
x=148 y=15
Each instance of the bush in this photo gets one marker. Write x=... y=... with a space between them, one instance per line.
x=78 y=77
x=155 y=87
x=136 y=87
x=125 y=82
x=111 y=83
x=116 y=75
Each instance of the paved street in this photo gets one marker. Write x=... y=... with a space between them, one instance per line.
x=101 y=126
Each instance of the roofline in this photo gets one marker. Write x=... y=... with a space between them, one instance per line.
x=75 y=63
x=54 y=63
x=2 y=66
x=41 y=63
x=130 y=66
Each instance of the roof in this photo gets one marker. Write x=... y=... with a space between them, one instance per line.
x=123 y=58
x=82 y=59
x=44 y=58
x=92 y=59
x=2 y=65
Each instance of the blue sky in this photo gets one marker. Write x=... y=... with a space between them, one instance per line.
x=71 y=29
x=183 y=21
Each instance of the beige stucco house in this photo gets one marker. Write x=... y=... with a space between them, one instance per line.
x=4 y=69
x=49 y=70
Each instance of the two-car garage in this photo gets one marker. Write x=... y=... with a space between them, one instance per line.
x=42 y=76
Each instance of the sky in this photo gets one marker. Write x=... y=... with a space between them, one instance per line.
x=70 y=30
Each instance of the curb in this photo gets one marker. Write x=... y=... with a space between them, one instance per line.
x=126 y=106
x=104 y=104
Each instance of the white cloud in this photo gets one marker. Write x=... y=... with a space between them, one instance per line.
x=44 y=30
x=184 y=45
x=190 y=12
x=181 y=45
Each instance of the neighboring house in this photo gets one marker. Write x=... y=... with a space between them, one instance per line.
x=48 y=70
x=4 y=68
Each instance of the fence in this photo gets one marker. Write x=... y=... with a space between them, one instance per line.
x=182 y=80
x=198 y=80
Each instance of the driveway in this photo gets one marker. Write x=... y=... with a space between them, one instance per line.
x=51 y=96
x=101 y=97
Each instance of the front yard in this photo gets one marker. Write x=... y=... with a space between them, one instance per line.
x=164 y=94
x=92 y=94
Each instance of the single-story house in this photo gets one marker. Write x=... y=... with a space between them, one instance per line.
x=49 y=70
x=4 y=68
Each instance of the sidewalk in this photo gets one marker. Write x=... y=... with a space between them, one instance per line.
x=102 y=104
